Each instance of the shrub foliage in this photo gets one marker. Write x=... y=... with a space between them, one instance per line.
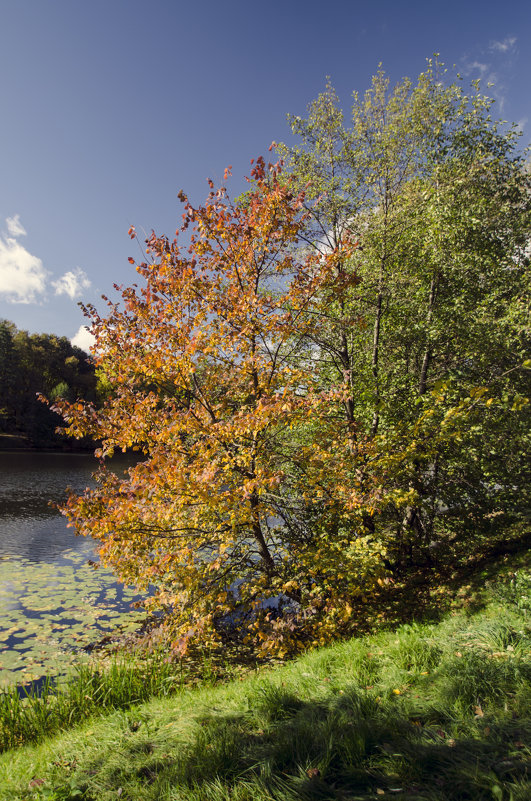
x=325 y=379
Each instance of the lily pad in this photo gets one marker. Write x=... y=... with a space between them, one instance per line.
x=49 y=611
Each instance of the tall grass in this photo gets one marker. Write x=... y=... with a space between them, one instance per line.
x=88 y=691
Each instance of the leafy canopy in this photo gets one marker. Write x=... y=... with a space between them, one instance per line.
x=326 y=379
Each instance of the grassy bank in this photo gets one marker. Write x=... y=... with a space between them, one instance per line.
x=36 y=712
x=432 y=712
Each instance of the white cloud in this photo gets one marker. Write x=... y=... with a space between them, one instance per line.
x=71 y=283
x=505 y=45
x=22 y=275
x=478 y=66
x=83 y=339
x=23 y=278
x=15 y=227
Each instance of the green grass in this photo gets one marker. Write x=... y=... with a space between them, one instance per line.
x=88 y=691
x=431 y=712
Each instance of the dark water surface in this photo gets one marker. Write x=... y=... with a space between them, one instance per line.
x=52 y=602
x=30 y=527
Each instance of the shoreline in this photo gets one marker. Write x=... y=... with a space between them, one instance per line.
x=19 y=442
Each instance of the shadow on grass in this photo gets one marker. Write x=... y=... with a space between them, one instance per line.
x=351 y=746
x=427 y=591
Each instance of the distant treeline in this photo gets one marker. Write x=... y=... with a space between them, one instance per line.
x=34 y=363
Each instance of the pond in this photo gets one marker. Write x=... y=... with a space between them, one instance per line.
x=53 y=604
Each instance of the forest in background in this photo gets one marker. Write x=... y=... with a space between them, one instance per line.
x=35 y=363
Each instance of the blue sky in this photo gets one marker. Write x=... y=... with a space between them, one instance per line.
x=110 y=108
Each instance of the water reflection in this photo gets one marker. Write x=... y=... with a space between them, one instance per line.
x=52 y=603
x=30 y=483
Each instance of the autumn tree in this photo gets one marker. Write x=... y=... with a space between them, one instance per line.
x=241 y=445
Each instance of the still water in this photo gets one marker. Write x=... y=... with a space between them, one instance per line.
x=53 y=604
x=30 y=528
